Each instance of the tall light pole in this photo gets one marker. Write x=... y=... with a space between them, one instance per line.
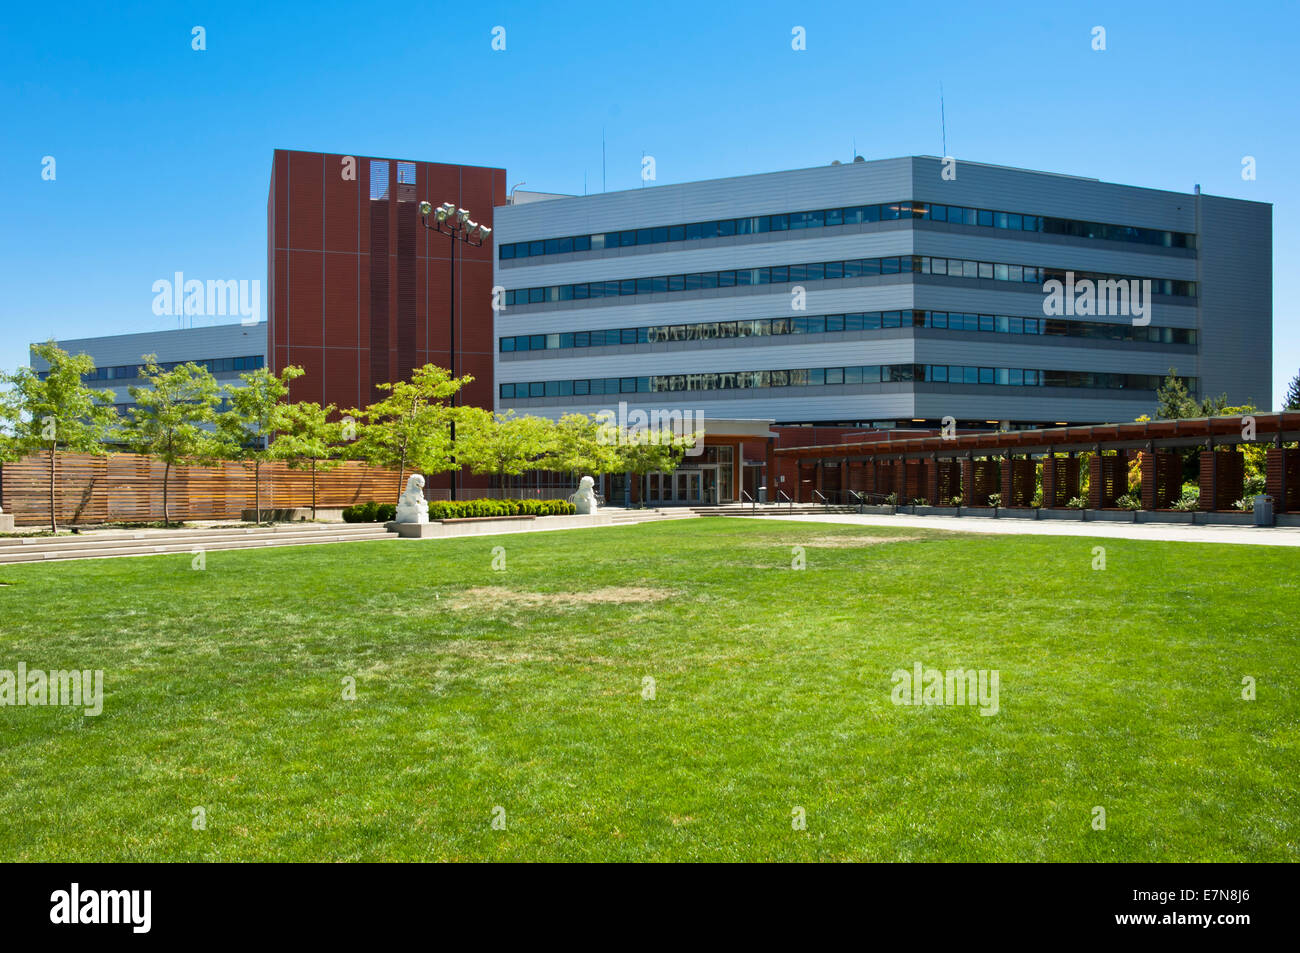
x=459 y=227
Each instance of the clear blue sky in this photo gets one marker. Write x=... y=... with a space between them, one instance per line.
x=163 y=153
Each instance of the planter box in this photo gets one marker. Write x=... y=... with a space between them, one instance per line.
x=490 y=525
x=976 y=511
x=1225 y=519
x=1060 y=514
x=1287 y=519
x=877 y=509
x=934 y=510
x=904 y=509
x=6 y=522
x=1017 y=513
x=1166 y=516
x=1111 y=516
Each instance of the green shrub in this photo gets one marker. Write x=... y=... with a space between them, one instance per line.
x=1189 y=499
x=1254 y=486
x=1129 y=501
x=995 y=499
x=478 y=509
x=1078 y=503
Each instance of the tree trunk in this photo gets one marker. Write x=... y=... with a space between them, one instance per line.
x=313 y=491
x=167 y=469
x=54 y=518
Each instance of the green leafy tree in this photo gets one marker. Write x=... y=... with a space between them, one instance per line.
x=307 y=438
x=1174 y=402
x=647 y=451
x=581 y=445
x=249 y=424
x=502 y=444
x=57 y=413
x=174 y=418
x=412 y=426
x=1291 y=401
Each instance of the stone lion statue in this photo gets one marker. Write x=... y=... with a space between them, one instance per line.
x=411 y=505
x=585 y=498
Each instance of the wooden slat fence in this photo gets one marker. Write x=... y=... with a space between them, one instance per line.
x=128 y=487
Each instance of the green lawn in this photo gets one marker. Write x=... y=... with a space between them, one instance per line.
x=523 y=689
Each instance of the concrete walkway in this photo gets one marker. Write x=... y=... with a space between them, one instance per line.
x=1161 y=532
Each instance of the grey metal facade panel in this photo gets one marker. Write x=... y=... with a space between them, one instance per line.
x=1236 y=303
x=1114 y=258
x=1044 y=193
x=1039 y=408
x=860 y=183
x=1232 y=266
x=185 y=344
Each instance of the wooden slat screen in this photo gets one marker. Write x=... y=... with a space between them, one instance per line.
x=127 y=487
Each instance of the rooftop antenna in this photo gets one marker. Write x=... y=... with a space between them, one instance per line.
x=943 y=120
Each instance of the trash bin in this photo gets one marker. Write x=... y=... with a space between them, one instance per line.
x=1263 y=510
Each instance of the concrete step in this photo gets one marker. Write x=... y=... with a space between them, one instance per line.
x=770 y=509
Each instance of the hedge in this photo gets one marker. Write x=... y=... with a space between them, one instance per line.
x=373 y=512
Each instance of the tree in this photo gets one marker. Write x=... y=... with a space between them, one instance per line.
x=173 y=418
x=1292 y=399
x=580 y=445
x=59 y=412
x=248 y=425
x=1173 y=402
x=646 y=451
x=412 y=425
x=305 y=437
x=502 y=444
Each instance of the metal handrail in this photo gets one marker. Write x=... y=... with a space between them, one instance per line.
x=857 y=496
x=753 y=502
x=825 y=502
x=788 y=499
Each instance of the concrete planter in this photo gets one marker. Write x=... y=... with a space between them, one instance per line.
x=491 y=525
x=905 y=509
x=1166 y=516
x=1017 y=513
x=976 y=511
x=935 y=510
x=1111 y=516
x=1224 y=519
x=1053 y=514
x=878 y=509
x=1287 y=519
x=6 y=523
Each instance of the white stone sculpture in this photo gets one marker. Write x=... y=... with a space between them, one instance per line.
x=411 y=505
x=585 y=498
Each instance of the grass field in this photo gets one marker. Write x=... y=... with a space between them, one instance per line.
x=523 y=689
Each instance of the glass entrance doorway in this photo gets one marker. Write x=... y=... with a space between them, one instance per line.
x=685 y=487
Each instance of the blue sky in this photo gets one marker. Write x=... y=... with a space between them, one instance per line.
x=163 y=153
